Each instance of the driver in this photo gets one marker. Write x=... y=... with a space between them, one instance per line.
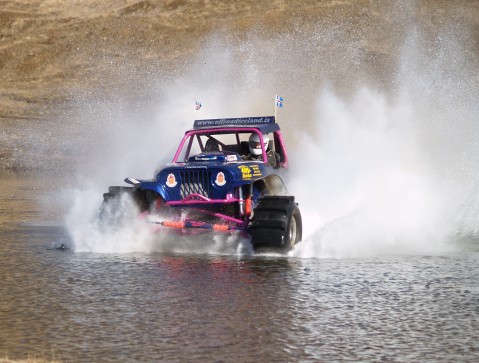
x=254 y=144
x=256 y=152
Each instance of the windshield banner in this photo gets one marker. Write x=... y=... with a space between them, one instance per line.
x=243 y=121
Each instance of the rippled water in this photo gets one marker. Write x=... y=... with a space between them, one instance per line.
x=85 y=307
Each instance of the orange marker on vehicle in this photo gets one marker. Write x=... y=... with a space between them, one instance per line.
x=173 y=224
x=220 y=227
x=247 y=209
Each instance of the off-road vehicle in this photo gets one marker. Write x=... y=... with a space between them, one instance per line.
x=223 y=177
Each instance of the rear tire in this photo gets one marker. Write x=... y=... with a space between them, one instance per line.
x=276 y=224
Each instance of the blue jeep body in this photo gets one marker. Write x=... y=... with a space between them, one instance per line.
x=214 y=174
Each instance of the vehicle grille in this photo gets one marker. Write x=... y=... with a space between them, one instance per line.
x=195 y=182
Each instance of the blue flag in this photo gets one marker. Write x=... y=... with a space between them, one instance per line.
x=279 y=101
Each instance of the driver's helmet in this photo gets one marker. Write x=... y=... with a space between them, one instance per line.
x=255 y=144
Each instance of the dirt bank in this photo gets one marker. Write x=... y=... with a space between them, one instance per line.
x=53 y=54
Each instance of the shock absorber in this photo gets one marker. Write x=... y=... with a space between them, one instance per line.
x=241 y=200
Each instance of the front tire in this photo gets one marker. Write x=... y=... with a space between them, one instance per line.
x=276 y=224
x=294 y=229
x=113 y=206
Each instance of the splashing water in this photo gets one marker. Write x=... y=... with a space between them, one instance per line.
x=373 y=191
x=119 y=228
x=392 y=173
x=376 y=169
x=109 y=233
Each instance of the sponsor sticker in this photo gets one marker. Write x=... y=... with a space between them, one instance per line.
x=244 y=121
x=231 y=158
x=256 y=170
x=220 y=179
x=195 y=167
x=171 y=180
x=245 y=171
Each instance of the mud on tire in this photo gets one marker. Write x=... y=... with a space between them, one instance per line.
x=276 y=224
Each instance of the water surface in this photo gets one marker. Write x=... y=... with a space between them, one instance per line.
x=84 y=307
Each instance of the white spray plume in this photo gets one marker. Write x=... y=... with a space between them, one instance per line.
x=378 y=171
x=368 y=189
x=391 y=173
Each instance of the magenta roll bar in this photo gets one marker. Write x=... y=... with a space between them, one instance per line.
x=278 y=134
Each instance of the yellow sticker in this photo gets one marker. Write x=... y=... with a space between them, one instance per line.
x=256 y=170
x=245 y=171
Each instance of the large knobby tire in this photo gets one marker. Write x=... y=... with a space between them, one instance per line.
x=112 y=201
x=276 y=224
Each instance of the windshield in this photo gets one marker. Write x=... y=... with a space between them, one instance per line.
x=196 y=142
